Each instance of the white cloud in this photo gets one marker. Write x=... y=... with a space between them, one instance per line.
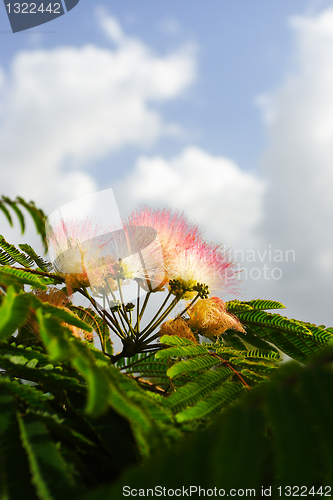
x=110 y=26
x=65 y=107
x=299 y=164
x=210 y=189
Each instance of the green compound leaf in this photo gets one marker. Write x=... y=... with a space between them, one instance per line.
x=213 y=403
x=4 y=209
x=226 y=352
x=54 y=336
x=15 y=254
x=31 y=396
x=48 y=376
x=255 y=365
x=12 y=455
x=152 y=425
x=181 y=351
x=13 y=312
x=192 y=392
x=174 y=340
x=18 y=212
x=62 y=314
x=201 y=362
x=50 y=474
x=89 y=316
x=97 y=378
x=38 y=217
x=41 y=263
x=232 y=339
x=297 y=339
x=255 y=341
x=237 y=306
x=253 y=376
x=18 y=277
x=147 y=367
x=279 y=435
x=28 y=353
x=5 y=259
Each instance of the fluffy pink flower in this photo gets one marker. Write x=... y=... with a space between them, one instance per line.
x=187 y=257
x=88 y=255
x=178 y=327
x=77 y=252
x=174 y=230
x=205 y=264
x=210 y=318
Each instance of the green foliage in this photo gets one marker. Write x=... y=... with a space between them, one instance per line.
x=12 y=454
x=36 y=214
x=50 y=473
x=146 y=367
x=89 y=316
x=212 y=404
x=18 y=278
x=181 y=351
x=295 y=338
x=13 y=312
x=215 y=375
x=236 y=306
x=193 y=392
x=14 y=255
x=195 y=365
x=279 y=435
x=41 y=263
x=80 y=422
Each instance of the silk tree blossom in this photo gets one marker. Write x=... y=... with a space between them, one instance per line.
x=178 y=327
x=77 y=251
x=203 y=264
x=135 y=254
x=210 y=318
x=146 y=255
x=90 y=256
x=188 y=259
x=174 y=230
x=159 y=249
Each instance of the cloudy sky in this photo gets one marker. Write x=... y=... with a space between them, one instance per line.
x=221 y=109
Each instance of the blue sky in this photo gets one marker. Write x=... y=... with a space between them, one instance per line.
x=243 y=49
x=222 y=109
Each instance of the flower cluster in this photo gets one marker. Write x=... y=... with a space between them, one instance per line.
x=77 y=253
x=160 y=250
x=207 y=317
x=177 y=326
x=187 y=257
x=210 y=318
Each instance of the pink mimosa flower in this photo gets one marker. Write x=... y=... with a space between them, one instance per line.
x=210 y=318
x=187 y=257
x=174 y=231
x=178 y=327
x=204 y=264
x=175 y=234
x=78 y=252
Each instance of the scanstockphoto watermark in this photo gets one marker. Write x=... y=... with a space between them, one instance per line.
x=184 y=492
x=198 y=491
x=259 y=264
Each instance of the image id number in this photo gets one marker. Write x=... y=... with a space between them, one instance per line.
x=303 y=491
x=31 y=8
